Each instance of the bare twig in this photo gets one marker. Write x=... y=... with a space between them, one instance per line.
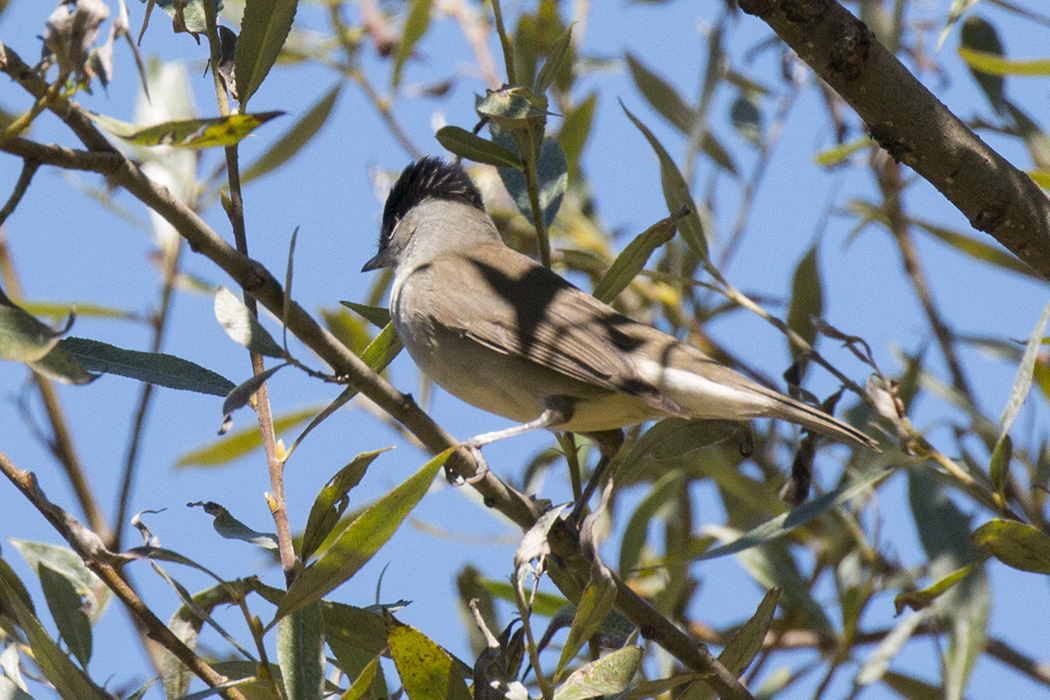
x=29 y=167
x=105 y=564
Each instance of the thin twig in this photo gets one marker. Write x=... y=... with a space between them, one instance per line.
x=505 y=43
x=235 y=213
x=105 y=563
x=29 y=168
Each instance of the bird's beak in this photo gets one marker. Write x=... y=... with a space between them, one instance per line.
x=378 y=261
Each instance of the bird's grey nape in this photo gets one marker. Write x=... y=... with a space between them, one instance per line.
x=427 y=178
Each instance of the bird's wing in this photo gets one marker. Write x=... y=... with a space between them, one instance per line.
x=562 y=328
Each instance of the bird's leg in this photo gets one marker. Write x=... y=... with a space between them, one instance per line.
x=557 y=411
x=609 y=443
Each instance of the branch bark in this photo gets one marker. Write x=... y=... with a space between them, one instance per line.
x=913 y=126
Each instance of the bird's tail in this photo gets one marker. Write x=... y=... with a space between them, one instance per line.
x=819 y=421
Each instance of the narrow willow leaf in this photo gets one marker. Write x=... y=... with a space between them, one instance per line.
x=662 y=96
x=427 y=671
x=23 y=338
x=264 y=28
x=376 y=315
x=609 y=675
x=332 y=502
x=8 y=689
x=152 y=367
x=242 y=325
x=955 y=12
x=472 y=147
x=187 y=133
x=1018 y=545
x=300 y=653
x=595 y=604
x=878 y=662
x=552 y=170
x=233 y=529
x=241 y=394
x=912 y=688
x=67 y=609
x=60 y=309
x=186 y=623
x=999 y=464
x=667 y=488
x=187 y=16
x=993 y=64
x=65 y=561
x=836 y=155
x=979 y=35
x=416 y=23
x=743 y=647
x=746 y=118
x=60 y=366
x=363 y=683
x=361 y=539
x=293 y=140
x=68 y=680
x=807 y=299
x=634 y=257
x=917 y=600
x=363 y=629
x=575 y=129
x=652 y=689
x=676 y=192
x=239 y=443
x=556 y=54
x=784 y=523
x=976 y=249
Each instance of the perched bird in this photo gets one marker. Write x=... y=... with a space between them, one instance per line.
x=510 y=336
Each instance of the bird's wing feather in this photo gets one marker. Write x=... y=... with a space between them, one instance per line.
x=578 y=336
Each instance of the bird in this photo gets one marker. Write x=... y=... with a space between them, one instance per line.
x=498 y=330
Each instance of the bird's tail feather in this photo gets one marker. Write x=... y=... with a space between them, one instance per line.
x=821 y=422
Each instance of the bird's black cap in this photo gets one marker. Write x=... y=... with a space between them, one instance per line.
x=427 y=178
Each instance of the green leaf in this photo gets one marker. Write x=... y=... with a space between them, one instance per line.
x=472 y=147
x=361 y=540
x=59 y=365
x=609 y=675
x=242 y=326
x=552 y=171
x=295 y=138
x=667 y=488
x=912 y=688
x=59 y=309
x=1023 y=381
x=634 y=257
x=676 y=192
x=976 y=249
x=836 y=155
x=993 y=64
x=652 y=689
x=67 y=609
x=807 y=299
x=68 y=680
x=999 y=465
x=233 y=529
x=1018 y=545
x=746 y=118
x=743 y=647
x=416 y=24
x=241 y=394
x=363 y=683
x=332 y=502
x=300 y=653
x=152 y=367
x=68 y=563
x=22 y=337
x=427 y=671
x=186 y=17
x=595 y=604
x=556 y=54
x=800 y=515
x=575 y=128
x=8 y=689
x=186 y=623
x=264 y=28
x=376 y=315
x=662 y=96
x=239 y=443
x=359 y=628
x=917 y=600
x=187 y=133
x=957 y=10
x=978 y=35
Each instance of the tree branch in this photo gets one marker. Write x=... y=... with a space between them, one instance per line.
x=913 y=126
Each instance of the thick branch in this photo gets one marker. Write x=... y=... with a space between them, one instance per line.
x=914 y=126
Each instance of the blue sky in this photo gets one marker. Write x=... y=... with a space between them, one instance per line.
x=67 y=248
